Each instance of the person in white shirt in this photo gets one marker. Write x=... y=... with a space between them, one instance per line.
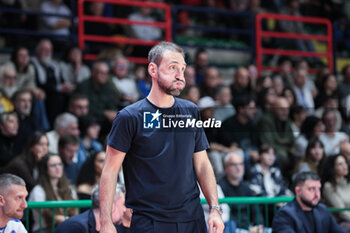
x=13 y=195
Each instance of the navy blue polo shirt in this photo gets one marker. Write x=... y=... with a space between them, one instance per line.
x=158 y=167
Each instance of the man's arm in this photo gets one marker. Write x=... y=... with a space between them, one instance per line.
x=206 y=179
x=108 y=182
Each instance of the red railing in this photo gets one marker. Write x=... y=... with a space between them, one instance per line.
x=260 y=51
x=82 y=37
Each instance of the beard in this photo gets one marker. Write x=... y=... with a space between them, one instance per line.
x=308 y=203
x=169 y=89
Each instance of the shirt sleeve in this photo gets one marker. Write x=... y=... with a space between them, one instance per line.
x=122 y=132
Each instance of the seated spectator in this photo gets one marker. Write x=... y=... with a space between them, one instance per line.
x=278 y=85
x=67 y=149
x=201 y=61
x=337 y=187
x=13 y=195
x=290 y=95
x=329 y=87
x=53 y=185
x=143 y=82
x=275 y=130
x=265 y=179
x=223 y=98
x=191 y=93
x=298 y=114
x=50 y=79
x=78 y=105
x=331 y=138
x=90 y=174
x=31 y=116
x=262 y=83
x=65 y=123
x=8 y=83
x=345 y=150
x=103 y=99
x=26 y=165
x=144 y=32
x=344 y=86
x=8 y=131
x=53 y=24
x=211 y=80
x=312 y=161
x=72 y=67
x=284 y=71
x=303 y=93
x=25 y=78
x=232 y=185
x=241 y=84
x=304 y=213
x=311 y=127
x=122 y=82
x=89 y=221
x=331 y=103
x=265 y=99
x=89 y=132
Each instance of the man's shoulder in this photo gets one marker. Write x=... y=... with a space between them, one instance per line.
x=135 y=107
x=15 y=225
x=74 y=223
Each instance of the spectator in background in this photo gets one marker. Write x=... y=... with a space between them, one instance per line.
x=331 y=138
x=302 y=92
x=201 y=62
x=90 y=174
x=278 y=85
x=345 y=150
x=53 y=24
x=265 y=179
x=311 y=127
x=78 y=105
x=329 y=87
x=266 y=98
x=143 y=82
x=190 y=75
x=305 y=213
x=330 y=103
x=13 y=195
x=122 y=82
x=297 y=114
x=5 y=103
x=233 y=186
x=144 y=32
x=89 y=221
x=337 y=187
x=314 y=156
x=103 y=100
x=241 y=84
x=8 y=131
x=191 y=93
x=8 y=81
x=26 y=165
x=344 y=86
x=67 y=149
x=65 y=123
x=72 y=67
x=262 y=83
x=25 y=70
x=289 y=94
x=89 y=132
x=284 y=71
x=223 y=98
x=275 y=130
x=211 y=80
x=49 y=78
x=52 y=186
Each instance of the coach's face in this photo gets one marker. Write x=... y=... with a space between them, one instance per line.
x=309 y=194
x=13 y=201
x=170 y=73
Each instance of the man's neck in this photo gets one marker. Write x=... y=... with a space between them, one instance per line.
x=160 y=99
x=3 y=220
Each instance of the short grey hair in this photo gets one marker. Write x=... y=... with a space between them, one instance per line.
x=64 y=119
x=95 y=196
x=7 y=179
x=156 y=53
x=5 y=115
x=230 y=155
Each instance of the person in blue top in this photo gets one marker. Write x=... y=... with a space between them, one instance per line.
x=162 y=146
x=13 y=195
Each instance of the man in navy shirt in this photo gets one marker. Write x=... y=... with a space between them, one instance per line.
x=163 y=151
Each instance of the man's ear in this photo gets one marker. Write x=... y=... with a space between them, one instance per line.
x=152 y=69
x=2 y=200
x=297 y=190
